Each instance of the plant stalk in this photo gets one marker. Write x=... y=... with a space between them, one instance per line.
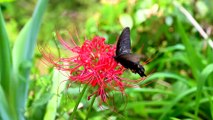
x=90 y=107
x=78 y=101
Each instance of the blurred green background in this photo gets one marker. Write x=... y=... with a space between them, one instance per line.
x=180 y=85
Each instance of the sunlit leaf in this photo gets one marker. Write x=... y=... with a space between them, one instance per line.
x=5 y=1
x=126 y=20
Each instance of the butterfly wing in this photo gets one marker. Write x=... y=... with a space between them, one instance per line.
x=123 y=44
x=130 y=57
x=131 y=61
x=124 y=55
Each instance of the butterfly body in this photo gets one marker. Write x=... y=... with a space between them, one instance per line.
x=124 y=55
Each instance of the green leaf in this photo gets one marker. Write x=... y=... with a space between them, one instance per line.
x=140 y=16
x=165 y=75
x=176 y=99
x=195 y=61
x=23 y=53
x=4 y=1
x=5 y=73
x=26 y=40
x=202 y=8
x=207 y=71
x=5 y=55
x=4 y=107
x=58 y=86
x=126 y=20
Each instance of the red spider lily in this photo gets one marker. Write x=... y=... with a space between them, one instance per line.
x=93 y=64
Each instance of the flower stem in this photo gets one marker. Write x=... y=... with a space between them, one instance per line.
x=90 y=107
x=78 y=101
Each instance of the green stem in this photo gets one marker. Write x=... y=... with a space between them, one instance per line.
x=78 y=101
x=90 y=107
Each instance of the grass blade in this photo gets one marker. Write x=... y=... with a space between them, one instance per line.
x=4 y=108
x=207 y=71
x=22 y=55
x=6 y=75
x=6 y=62
x=195 y=61
x=176 y=99
x=58 y=86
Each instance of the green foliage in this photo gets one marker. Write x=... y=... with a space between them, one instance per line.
x=6 y=66
x=180 y=81
x=15 y=69
x=4 y=1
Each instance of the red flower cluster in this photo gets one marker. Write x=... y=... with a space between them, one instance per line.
x=94 y=65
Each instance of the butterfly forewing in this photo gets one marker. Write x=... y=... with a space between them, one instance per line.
x=123 y=44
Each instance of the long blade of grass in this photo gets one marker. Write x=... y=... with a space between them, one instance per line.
x=24 y=46
x=207 y=71
x=6 y=62
x=23 y=53
x=158 y=75
x=165 y=116
x=59 y=83
x=5 y=72
x=195 y=61
x=4 y=107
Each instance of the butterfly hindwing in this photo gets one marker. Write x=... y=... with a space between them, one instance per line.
x=131 y=61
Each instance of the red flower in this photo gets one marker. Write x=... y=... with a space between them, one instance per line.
x=94 y=65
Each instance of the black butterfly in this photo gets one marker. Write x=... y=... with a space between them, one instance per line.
x=124 y=55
